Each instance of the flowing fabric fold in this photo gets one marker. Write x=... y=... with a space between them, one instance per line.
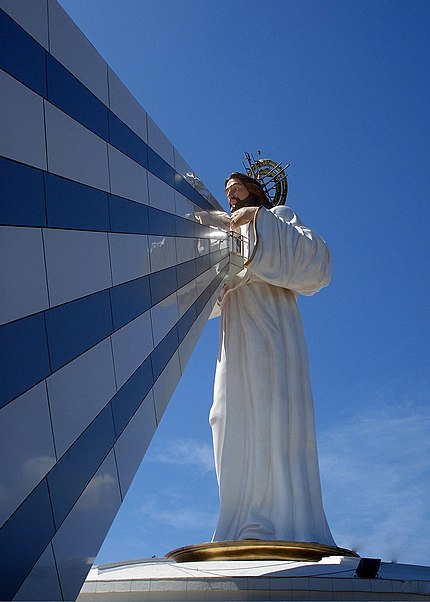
x=288 y=254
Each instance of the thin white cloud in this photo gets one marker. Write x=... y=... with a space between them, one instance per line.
x=187 y=452
x=101 y=493
x=176 y=512
x=375 y=470
x=36 y=468
x=183 y=519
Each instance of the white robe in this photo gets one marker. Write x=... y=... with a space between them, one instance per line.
x=262 y=416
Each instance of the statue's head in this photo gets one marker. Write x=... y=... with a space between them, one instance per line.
x=243 y=191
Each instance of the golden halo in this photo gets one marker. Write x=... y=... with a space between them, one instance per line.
x=271 y=176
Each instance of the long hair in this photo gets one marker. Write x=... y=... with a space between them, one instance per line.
x=257 y=196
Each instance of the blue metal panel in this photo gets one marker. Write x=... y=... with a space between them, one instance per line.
x=73 y=205
x=74 y=470
x=186 y=322
x=126 y=141
x=185 y=227
x=24 y=357
x=42 y=583
x=199 y=200
x=203 y=299
x=204 y=231
x=85 y=527
x=128 y=216
x=129 y=300
x=133 y=442
x=161 y=223
x=219 y=256
x=204 y=262
x=71 y=96
x=160 y=168
x=25 y=440
x=21 y=56
x=128 y=399
x=163 y=284
x=184 y=187
x=217 y=281
x=164 y=351
x=185 y=272
x=23 y=539
x=22 y=199
x=76 y=326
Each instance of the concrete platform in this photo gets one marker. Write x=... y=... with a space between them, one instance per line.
x=332 y=578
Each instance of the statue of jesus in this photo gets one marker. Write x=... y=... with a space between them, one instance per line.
x=262 y=416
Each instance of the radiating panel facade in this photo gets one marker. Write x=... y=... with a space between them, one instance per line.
x=112 y=255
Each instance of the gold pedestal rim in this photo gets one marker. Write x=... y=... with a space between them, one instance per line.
x=257 y=549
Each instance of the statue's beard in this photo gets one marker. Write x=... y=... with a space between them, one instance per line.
x=248 y=202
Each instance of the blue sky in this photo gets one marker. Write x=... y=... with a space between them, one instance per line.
x=340 y=90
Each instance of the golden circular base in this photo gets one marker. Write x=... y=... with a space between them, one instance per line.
x=257 y=549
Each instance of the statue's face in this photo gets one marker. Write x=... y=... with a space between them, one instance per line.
x=236 y=191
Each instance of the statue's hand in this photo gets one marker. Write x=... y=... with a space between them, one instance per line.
x=242 y=216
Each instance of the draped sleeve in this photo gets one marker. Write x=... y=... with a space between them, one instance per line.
x=287 y=254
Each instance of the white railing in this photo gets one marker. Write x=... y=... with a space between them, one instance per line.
x=239 y=244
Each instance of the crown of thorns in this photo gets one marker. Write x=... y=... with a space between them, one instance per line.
x=270 y=175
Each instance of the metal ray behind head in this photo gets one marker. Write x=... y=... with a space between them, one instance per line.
x=271 y=176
